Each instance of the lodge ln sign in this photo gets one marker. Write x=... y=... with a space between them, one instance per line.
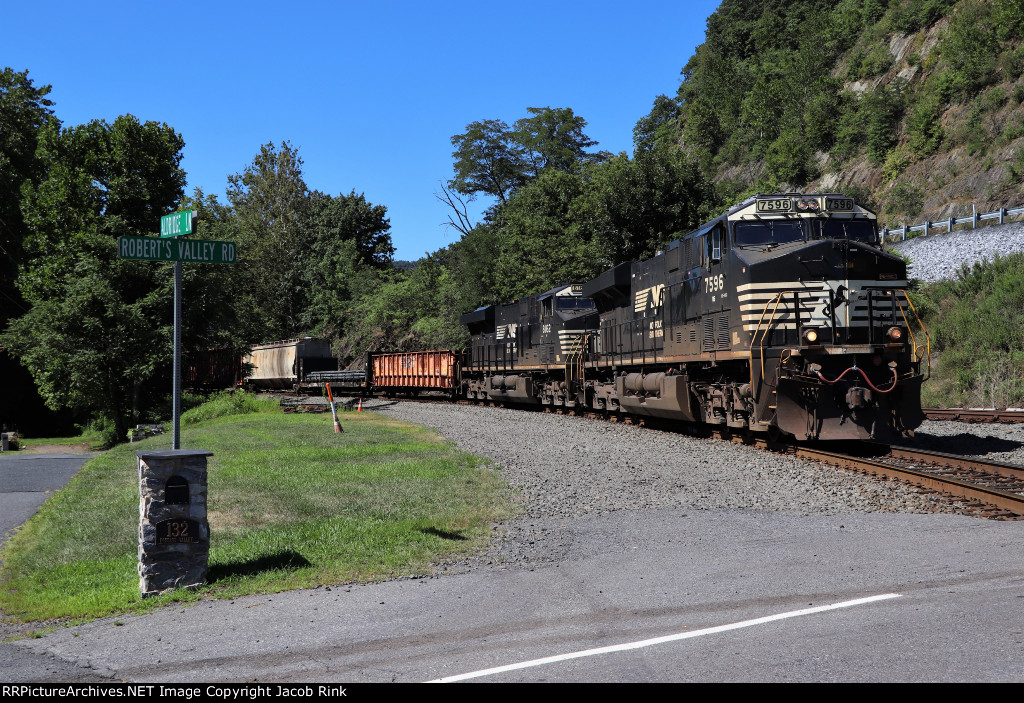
x=193 y=250
x=177 y=223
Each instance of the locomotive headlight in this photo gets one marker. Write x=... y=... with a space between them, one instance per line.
x=895 y=335
x=810 y=336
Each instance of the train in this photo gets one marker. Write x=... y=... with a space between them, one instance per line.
x=782 y=316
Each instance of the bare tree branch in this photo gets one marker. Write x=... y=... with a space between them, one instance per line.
x=458 y=207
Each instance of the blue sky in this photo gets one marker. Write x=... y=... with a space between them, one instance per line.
x=371 y=93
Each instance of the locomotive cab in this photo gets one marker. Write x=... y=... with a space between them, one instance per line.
x=826 y=319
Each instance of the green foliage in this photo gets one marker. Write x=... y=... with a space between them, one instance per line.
x=98 y=329
x=659 y=129
x=906 y=16
x=1008 y=17
x=488 y=159
x=554 y=138
x=346 y=253
x=970 y=47
x=875 y=63
x=269 y=200
x=24 y=110
x=545 y=238
x=227 y=403
x=977 y=323
x=885 y=108
x=787 y=157
x=923 y=126
x=492 y=159
x=820 y=116
x=896 y=162
x=905 y=199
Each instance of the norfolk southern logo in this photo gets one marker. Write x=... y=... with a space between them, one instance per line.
x=648 y=298
x=508 y=331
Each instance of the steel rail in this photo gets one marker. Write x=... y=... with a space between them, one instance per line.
x=955 y=461
x=973 y=415
x=1004 y=500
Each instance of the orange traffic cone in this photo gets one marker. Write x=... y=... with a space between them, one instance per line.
x=360 y=408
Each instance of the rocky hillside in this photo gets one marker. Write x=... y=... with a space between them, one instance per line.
x=914 y=106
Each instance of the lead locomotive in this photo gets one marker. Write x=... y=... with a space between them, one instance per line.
x=783 y=315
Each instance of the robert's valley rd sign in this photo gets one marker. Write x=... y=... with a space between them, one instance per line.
x=194 y=250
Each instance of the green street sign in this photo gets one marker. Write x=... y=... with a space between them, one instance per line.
x=192 y=250
x=177 y=223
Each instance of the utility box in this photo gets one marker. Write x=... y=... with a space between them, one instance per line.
x=174 y=533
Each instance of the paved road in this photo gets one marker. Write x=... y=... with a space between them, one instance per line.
x=26 y=480
x=953 y=589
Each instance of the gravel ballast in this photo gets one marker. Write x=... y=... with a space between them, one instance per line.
x=567 y=471
x=941 y=256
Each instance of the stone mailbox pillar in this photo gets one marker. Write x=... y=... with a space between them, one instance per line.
x=174 y=534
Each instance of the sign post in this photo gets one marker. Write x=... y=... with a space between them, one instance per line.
x=172 y=246
x=174 y=533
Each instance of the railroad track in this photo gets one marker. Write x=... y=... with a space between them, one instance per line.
x=988 y=489
x=971 y=415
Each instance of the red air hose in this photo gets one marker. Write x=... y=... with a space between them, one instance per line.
x=866 y=379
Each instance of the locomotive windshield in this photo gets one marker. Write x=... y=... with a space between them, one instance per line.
x=574 y=303
x=768 y=232
x=859 y=230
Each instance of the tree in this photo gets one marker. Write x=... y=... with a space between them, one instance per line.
x=659 y=128
x=546 y=237
x=24 y=110
x=488 y=159
x=99 y=327
x=554 y=138
x=348 y=249
x=270 y=200
x=638 y=205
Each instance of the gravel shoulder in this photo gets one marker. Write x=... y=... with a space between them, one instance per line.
x=941 y=256
x=565 y=470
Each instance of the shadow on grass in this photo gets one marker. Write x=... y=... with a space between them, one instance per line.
x=444 y=534
x=273 y=562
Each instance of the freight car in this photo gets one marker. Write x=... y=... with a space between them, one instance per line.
x=212 y=369
x=286 y=363
x=783 y=315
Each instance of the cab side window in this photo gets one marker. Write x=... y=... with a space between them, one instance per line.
x=717 y=242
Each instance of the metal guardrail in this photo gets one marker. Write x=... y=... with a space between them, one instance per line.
x=951 y=222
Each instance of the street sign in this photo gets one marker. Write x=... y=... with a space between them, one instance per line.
x=198 y=251
x=177 y=223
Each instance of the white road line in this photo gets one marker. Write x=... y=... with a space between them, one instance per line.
x=662 y=640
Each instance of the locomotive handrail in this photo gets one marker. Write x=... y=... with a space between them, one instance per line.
x=927 y=337
x=776 y=299
x=574 y=369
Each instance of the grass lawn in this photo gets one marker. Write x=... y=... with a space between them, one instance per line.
x=291 y=505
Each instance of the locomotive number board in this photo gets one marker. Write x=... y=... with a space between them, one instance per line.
x=771 y=205
x=775 y=205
